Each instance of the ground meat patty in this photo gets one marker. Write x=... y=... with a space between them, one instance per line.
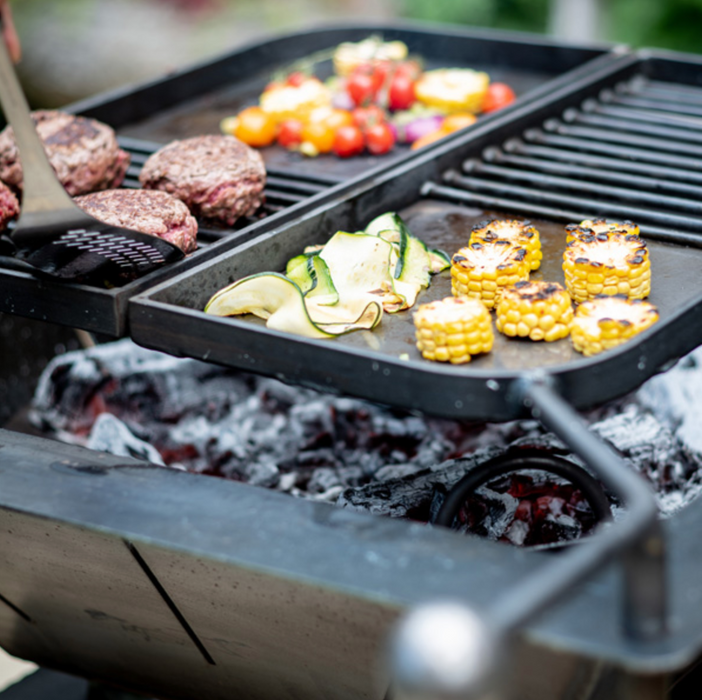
x=218 y=177
x=9 y=206
x=155 y=213
x=83 y=152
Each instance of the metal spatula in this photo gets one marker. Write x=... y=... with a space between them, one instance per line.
x=52 y=233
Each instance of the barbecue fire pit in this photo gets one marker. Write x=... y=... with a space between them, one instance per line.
x=180 y=585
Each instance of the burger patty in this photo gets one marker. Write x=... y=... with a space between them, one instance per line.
x=156 y=213
x=83 y=152
x=9 y=206
x=218 y=177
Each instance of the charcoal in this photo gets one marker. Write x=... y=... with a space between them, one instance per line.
x=124 y=399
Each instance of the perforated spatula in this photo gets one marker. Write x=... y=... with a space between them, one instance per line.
x=52 y=233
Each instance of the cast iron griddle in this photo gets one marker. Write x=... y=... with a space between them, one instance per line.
x=383 y=365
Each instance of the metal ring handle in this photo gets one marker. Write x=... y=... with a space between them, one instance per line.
x=516 y=461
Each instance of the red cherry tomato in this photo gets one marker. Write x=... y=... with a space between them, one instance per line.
x=498 y=95
x=363 y=117
x=348 y=141
x=290 y=133
x=361 y=88
x=296 y=79
x=401 y=92
x=379 y=138
x=410 y=69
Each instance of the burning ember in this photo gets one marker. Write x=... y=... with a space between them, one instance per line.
x=185 y=414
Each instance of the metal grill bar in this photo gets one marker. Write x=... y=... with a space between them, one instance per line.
x=576 y=157
x=655 y=104
x=495 y=155
x=643 y=115
x=547 y=197
x=576 y=185
x=611 y=149
x=624 y=124
x=618 y=137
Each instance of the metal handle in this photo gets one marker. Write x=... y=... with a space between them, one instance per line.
x=42 y=191
x=637 y=539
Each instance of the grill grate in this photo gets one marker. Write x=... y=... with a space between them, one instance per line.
x=632 y=153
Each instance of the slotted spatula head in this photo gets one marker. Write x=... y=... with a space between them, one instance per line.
x=52 y=233
x=71 y=245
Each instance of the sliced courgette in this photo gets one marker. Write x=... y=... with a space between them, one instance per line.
x=439 y=260
x=280 y=301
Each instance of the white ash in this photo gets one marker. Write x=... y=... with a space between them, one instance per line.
x=109 y=434
x=359 y=455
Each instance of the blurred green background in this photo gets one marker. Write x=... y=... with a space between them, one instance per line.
x=74 y=48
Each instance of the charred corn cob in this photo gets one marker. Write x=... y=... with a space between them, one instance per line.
x=521 y=233
x=481 y=270
x=607 y=321
x=453 y=329
x=536 y=310
x=596 y=227
x=607 y=264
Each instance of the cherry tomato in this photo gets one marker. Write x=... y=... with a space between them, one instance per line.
x=361 y=88
x=410 y=69
x=379 y=138
x=336 y=118
x=498 y=95
x=381 y=70
x=401 y=92
x=296 y=79
x=290 y=133
x=255 y=127
x=457 y=121
x=320 y=135
x=363 y=117
x=348 y=141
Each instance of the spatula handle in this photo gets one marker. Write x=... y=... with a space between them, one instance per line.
x=42 y=191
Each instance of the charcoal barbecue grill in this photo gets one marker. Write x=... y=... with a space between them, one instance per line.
x=251 y=590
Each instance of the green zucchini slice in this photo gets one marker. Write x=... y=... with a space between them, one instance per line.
x=274 y=297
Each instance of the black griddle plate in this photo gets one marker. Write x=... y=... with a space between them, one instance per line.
x=383 y=365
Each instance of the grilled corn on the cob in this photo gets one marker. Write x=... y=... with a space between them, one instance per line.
x=595 y=227
x=453 y=89
x=481 y=270
x=536 y=310
x=607 y=264
x=521 y=233
x=453 y=329
x=608 y=321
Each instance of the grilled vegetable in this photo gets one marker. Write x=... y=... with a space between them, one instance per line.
x=452 y=330
x=453 y=89
x=599 y=226
x=607 y=321
x=312 y=276
x=284 y=101
x=280 y=301
x=350 y=55
x=536 y=310
x=612 y=263
x=481 y=270
x=521 y=233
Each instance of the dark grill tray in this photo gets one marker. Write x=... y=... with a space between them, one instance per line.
x=193 y=101
x=369 y=364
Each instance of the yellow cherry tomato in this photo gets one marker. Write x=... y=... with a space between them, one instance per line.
x=254 y=127
x=320 y=135
x=457 y=121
